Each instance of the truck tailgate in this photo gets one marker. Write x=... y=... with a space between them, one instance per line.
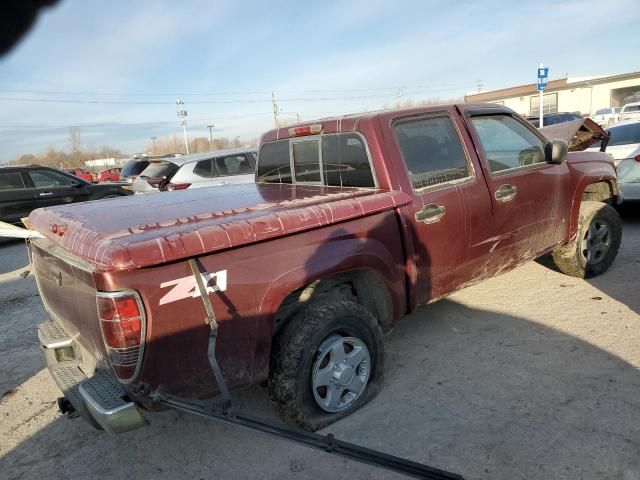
x=68 y=291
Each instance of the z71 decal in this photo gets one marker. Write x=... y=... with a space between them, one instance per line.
x=186 y=287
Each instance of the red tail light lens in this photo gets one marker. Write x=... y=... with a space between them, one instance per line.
x=122 y=322
x=637 y=158
x=176 y=186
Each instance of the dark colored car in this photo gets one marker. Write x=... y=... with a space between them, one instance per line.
x=25 y=188
x=82 y=173
x=109 y=175
x=555 y=118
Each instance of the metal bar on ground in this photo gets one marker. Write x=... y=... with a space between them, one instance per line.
x=326 y=443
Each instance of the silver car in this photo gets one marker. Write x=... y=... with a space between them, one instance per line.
x=222 y=167
x=624 y=147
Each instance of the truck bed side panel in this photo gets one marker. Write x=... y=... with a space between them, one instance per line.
x=258 y=278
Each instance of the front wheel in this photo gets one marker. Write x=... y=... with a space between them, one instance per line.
x=326 y=363
x=596 y=244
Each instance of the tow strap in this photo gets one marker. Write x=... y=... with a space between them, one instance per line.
x=220 y=408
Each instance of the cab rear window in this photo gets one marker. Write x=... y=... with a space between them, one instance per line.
x=333 y=160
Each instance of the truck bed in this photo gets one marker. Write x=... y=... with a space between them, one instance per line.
x=141 y=231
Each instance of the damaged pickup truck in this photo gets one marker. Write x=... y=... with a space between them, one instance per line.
x=351 y=224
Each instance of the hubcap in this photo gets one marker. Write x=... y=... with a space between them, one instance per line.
x=596 y=241
x=340 y=373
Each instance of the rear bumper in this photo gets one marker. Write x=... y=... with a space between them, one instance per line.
x=99 y=399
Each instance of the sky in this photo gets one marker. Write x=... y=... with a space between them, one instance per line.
x=115 y=69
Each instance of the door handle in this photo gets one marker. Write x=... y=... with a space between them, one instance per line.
x=506 y=193
x=431 y=213
x=45 y=194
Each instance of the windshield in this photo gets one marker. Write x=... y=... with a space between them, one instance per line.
x=624 y=134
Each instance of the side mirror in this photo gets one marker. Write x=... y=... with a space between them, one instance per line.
x=75 y=183
x=556 y=152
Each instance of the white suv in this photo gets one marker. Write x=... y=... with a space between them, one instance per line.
x=221 y=167
x=630 y=111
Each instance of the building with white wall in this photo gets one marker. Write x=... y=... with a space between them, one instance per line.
x=584 y=95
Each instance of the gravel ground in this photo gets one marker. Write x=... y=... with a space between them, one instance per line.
x=531 y=375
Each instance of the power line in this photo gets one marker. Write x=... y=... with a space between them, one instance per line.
x=201 y=102
x=174 y=94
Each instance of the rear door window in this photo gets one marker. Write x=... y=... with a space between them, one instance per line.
x=11 y=181
x=234 y=165
x=432 y=151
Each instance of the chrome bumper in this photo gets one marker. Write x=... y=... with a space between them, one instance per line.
x=99 y=399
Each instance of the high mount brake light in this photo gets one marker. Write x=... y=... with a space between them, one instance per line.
x=123 y=326
x=307 y=130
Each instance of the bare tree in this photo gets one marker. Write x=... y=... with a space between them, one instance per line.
x=74 y=140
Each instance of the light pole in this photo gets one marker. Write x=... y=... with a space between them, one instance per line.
x=153 y=139
x=210 y=127
x=182 y=115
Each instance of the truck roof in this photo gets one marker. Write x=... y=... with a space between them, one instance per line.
x=349 y=122
x=144 y=230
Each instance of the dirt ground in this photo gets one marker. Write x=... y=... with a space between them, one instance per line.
x=531 y=375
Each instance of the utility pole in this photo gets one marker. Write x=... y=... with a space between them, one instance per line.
x=479 y=85
x=275 y=110
x=210 y=127
x=182 y=115
x=153 y=139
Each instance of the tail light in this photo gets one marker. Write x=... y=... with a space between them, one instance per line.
x=123 y=326
x=176 y=186
x=637 y=158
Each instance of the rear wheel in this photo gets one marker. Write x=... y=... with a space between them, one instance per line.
x=326 y=363
x=596 y=244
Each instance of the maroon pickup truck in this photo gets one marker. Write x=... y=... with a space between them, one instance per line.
x=351 y=224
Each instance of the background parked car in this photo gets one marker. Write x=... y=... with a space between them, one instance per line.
x=109 y=175
x=25 y=188
x=82 y=173
x=553 y=118
x=630 y=111
x=624 y=147
x=222 y=167
x=133 y=168
x=606 y=116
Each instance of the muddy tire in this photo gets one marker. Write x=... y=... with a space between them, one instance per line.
x=326 y=363
x=596 y=244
